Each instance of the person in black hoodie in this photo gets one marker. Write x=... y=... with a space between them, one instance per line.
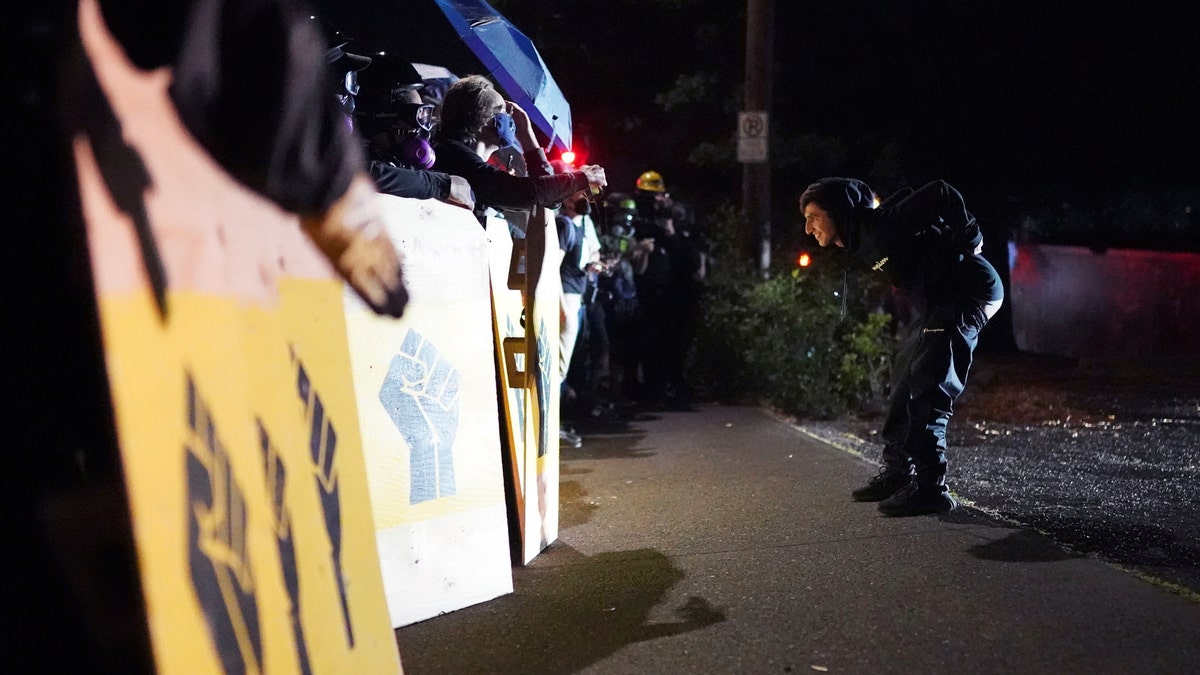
x=475 y=122
x=929 y=246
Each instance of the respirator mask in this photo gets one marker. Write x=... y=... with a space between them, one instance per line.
x=413 y=143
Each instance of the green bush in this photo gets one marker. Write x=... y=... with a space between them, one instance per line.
x=781 y=339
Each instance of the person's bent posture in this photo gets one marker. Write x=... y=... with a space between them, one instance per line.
x=929 y=246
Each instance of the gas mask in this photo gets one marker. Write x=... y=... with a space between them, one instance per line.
x=415 y=151
x=408 y=128
x=418 y=116
x=413 y=144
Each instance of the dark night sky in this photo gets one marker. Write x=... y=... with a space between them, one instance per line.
x=1065 y=94
x=1015 y=101
x=1011 y=101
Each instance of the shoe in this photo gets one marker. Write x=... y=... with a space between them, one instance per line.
x=568 y=437
x=916 y=499
x=882 y=485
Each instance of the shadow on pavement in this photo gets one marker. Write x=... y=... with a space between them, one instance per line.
x=569 y=610
x=1135 y=543
x=1017 y=546
x=1022 y=546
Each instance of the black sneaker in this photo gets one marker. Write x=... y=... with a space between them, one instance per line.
x=915 y=499
x=882 y=485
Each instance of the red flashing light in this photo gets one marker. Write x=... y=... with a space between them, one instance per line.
x=804 y=259
x=568 y=156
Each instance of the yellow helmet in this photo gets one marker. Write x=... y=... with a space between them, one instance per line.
x=651 y=181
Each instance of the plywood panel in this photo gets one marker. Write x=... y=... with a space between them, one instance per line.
x=235 y=411
x=426 y=387
x=528 y=353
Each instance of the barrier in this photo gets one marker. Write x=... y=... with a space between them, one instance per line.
x=302 y=474
x=426 y=392
x=1074 y=302
x=229 y=370
x=525 y=289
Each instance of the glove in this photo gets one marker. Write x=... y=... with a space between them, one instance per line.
x=351 y=235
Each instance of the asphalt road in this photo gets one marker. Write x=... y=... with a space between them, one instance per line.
x=723 y=540
x=1102 y=457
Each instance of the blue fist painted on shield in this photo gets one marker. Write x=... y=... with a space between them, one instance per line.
x=421 y=395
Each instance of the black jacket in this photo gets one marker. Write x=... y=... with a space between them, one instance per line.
x=402 y=181
x=916 y=237
x=498 y=189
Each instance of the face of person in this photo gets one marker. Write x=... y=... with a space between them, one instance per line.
x=820 y=225
x=496 y=103
x=415 y=115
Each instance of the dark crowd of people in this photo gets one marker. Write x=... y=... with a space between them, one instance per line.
x=639 y=275
x=631 y=270
x=371 y=119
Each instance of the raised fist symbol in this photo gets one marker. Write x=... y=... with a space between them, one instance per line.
x=420 y=394
x=218 y=545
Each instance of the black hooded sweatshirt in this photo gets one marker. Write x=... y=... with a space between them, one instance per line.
x=915 y=237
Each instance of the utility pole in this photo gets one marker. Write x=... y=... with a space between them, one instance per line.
x=753 y=130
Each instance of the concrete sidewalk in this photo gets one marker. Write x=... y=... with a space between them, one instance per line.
x=724 y=541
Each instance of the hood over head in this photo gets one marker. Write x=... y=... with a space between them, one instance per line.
x=846 y=200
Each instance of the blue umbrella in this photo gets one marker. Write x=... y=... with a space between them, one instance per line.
x=514 y=63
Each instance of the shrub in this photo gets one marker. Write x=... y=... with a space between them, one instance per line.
x=782 y=339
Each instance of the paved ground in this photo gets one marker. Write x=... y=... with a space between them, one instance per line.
x=1103 y=457
x=723 y=541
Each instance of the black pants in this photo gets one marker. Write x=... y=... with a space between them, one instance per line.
x=931 y=369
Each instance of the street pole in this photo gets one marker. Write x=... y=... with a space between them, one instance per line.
x=756 y=167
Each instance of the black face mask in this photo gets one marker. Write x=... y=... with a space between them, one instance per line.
x=583 y=207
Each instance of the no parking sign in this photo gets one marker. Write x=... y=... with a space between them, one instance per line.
x=752 y=137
